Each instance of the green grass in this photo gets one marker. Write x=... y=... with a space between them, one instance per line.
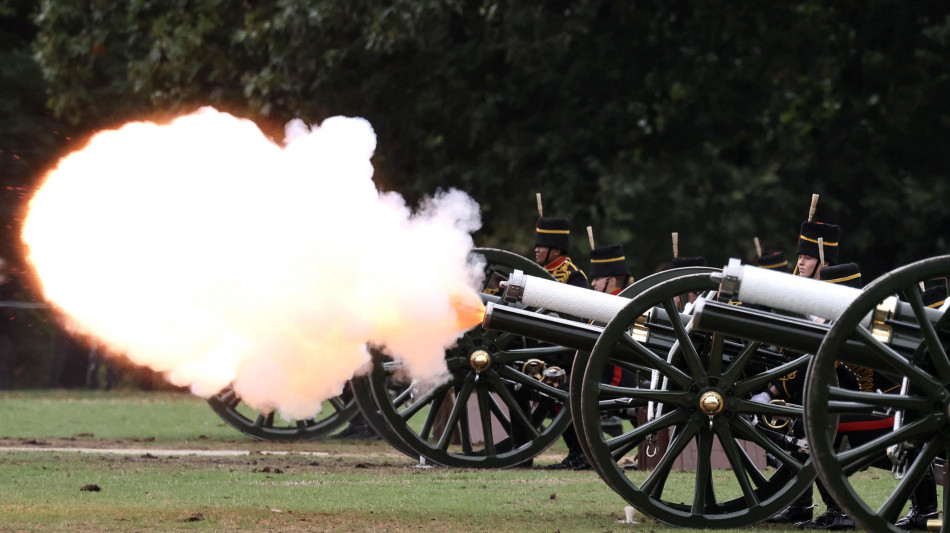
x=327 y=485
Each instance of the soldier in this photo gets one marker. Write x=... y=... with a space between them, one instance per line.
x=772 y=261
x=849 y=275
x=811 y=256
x=609 y=273
x=608 y=269
x=551 y=249
x=551 y=246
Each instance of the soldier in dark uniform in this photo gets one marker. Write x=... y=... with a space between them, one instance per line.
x=610 y=274
x=791 y=386
x=551 y=249
x=608 y=269
x=809 y=254
x=772 y=261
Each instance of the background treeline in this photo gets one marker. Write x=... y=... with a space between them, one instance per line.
x=715 y=119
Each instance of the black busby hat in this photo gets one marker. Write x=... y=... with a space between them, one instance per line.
x=608 y=261
x=808 y=240
x=772 y=261
x=935 y=292
x=680 y=262
x=553 y=233
x=848 y=274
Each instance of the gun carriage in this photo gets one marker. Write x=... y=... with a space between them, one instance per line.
x=886 y=330
x=710 y=360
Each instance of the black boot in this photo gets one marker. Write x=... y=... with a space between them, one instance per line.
x=831 y=520
x=575 y=460
x=798 y=511
x=358 y=429
x=923 y=504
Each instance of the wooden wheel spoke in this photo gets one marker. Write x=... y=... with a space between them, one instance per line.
x=759 y=408
x=744 y=430
x=688 y=350
x=922 y=380
x=460 y=400
x=465 y=429
x=500 y=415
x=484 y=411
x=739 y=363
x=422 y=400
x=860 y=456
x=434 y=407
x=264 y=420
x=655 y=482
x=609 y=392
x=337 y=403
x=652 y=360
x=517 y=415
x=734 y=453
x=677 y=416
x=714 y=365
x=703 y=493
x=759 y=381
x=851 y=401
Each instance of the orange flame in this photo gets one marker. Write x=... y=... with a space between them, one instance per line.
x=469 y=310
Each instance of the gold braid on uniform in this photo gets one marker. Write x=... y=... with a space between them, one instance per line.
x=865 y=377
x=785 y=379
x=563 y=271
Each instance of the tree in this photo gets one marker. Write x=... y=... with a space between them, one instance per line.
x=716 y=119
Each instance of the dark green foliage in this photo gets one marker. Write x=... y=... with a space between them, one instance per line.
x=714 y=119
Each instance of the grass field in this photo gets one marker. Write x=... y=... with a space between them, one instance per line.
x=53 y=446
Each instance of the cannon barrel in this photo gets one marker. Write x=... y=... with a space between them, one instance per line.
x=806 y=296
x=562 y=298
x=552 y=329
x=653 y=328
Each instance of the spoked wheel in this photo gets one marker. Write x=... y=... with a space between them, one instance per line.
x=702 y=408
x=336 y=412
x=909 y=346
x=494 y=411
x=577 y=377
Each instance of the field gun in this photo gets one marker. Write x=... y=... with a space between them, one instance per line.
x=699 y=398
x=708 y=381
x=888 y=329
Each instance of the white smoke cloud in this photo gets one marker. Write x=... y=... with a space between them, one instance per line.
x=202 y=249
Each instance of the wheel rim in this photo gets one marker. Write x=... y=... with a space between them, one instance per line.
x=363 y=394
x=924 y=409
x=485 y=367
x=751 y=495
x=269 y=426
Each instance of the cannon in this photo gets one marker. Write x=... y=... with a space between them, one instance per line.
x=708 y=366
x=698 y=401
x=884 y=329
